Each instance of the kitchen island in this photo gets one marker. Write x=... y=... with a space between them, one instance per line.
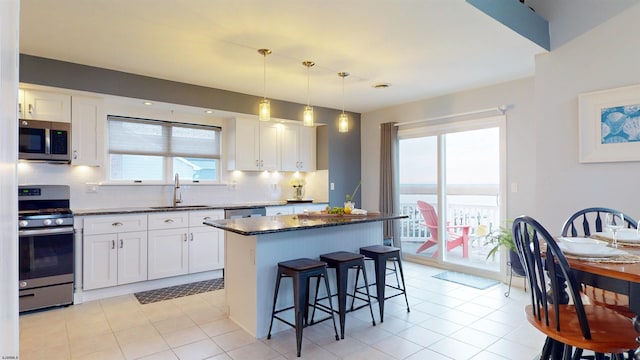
x=254 y=246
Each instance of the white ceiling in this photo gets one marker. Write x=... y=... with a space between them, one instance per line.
x=423 y=48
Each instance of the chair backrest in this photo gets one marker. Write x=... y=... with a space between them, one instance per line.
x=530 y=238
x=430 y=218
x=589 y=220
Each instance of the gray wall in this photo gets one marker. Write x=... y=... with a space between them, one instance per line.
x=338 y=153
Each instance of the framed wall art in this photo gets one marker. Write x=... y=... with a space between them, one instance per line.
x=609 y=125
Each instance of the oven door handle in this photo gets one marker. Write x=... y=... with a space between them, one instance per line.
x=47 y=231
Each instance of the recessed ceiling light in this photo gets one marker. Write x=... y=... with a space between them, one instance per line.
x=381 y=85
x=148 y=103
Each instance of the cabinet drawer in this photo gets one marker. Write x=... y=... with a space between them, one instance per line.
x=168 y=220
x=197 y=217
x=114 y=224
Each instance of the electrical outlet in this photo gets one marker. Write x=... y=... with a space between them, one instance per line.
x=333 y=186
x=92 y=188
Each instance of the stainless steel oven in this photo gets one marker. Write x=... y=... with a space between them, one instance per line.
x=46 y=247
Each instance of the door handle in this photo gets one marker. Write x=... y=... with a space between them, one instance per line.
x=113 y=244
x=30 y=108
x=121 y=243
x=168 y=221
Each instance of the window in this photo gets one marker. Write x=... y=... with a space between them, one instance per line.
x=144 y=150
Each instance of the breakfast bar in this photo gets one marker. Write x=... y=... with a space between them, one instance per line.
x=254 y=246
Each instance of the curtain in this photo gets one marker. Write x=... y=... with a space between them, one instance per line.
x=389 y=187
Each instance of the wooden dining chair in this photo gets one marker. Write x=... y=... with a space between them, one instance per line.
x=584 y=223
x=570 y=326
x=454 y=239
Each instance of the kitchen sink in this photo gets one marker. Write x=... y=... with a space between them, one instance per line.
x=180 y=207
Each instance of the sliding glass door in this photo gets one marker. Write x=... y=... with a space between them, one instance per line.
x=451 y=180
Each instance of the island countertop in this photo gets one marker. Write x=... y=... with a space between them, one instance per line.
x=281 y=223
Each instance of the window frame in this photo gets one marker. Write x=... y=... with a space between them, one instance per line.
x=168 y=172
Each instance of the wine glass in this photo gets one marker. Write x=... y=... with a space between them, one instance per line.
x=614 y=222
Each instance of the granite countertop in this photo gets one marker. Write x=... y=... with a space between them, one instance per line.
x=134 y=210
x=274 y=224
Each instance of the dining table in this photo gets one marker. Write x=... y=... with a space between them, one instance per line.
x=618 y=274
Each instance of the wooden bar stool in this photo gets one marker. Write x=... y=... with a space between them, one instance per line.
x=380 y=254
x=300 y=271
x=342 y=261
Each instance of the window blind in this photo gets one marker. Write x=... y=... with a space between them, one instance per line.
x=162 y=138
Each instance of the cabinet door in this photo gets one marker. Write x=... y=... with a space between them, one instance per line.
x=87 y=135
x=307 y=148
x=132 y=257
x=289 y=160
x=247 y=144
x=168 y=253
x=206 y=249
x=269 y=154
x=100 y=261
x=42 y=105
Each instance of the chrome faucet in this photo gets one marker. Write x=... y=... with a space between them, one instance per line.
x=177 y=195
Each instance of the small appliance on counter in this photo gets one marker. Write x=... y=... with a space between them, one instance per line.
x=46 y=246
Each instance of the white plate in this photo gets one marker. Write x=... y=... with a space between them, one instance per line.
x=626 y=235
x=590 y=251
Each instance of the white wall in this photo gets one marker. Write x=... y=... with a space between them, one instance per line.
x=520 y=136
x=542 y=149
x=605 y=57
x=9 y=334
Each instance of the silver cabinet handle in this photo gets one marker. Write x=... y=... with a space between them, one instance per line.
x=168 y=221
x=113 y=244
x=20 y=108
x=75 y=154
x=116 y=224
x=257 y=163
x=31 y=109
x=191 y=236
x=121 y=243
x=207 y=218
x=185 y=237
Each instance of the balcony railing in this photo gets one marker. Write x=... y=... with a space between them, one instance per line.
x=466 y=205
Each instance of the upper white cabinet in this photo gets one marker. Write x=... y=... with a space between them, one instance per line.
x=252 y=145
x=297 y=148
x=44 y=105
x=87 y=131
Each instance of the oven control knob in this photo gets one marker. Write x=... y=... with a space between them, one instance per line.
x=23 y=223
x=59 y=221
x=47 y=222
x=23 y=284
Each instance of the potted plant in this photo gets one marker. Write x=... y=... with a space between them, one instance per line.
x=504 y=238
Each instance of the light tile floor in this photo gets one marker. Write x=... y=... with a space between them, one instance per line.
x=447 y=321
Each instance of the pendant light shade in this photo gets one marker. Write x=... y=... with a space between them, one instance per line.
x=343 y=119
x=264 y=109
x=307 y=116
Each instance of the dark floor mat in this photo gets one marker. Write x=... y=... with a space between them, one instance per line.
x=151 y=296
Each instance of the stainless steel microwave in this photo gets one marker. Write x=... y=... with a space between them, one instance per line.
x=48 y=141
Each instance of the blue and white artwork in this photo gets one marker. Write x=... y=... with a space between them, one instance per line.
x=620 y=124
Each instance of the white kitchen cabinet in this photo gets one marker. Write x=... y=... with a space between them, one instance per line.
x=168 y=244
x=114 y=250
x=252 y=145
x=44 y=105
x=206 y=243
x=87 y=131
x=297 y=148
x=279 y=210
x=179 y=243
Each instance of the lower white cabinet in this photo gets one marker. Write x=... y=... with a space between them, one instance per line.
x=183 y=250
x=113 y=258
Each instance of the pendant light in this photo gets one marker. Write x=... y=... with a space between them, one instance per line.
x=307 y=117
x=264 y=109
x=343 y=119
